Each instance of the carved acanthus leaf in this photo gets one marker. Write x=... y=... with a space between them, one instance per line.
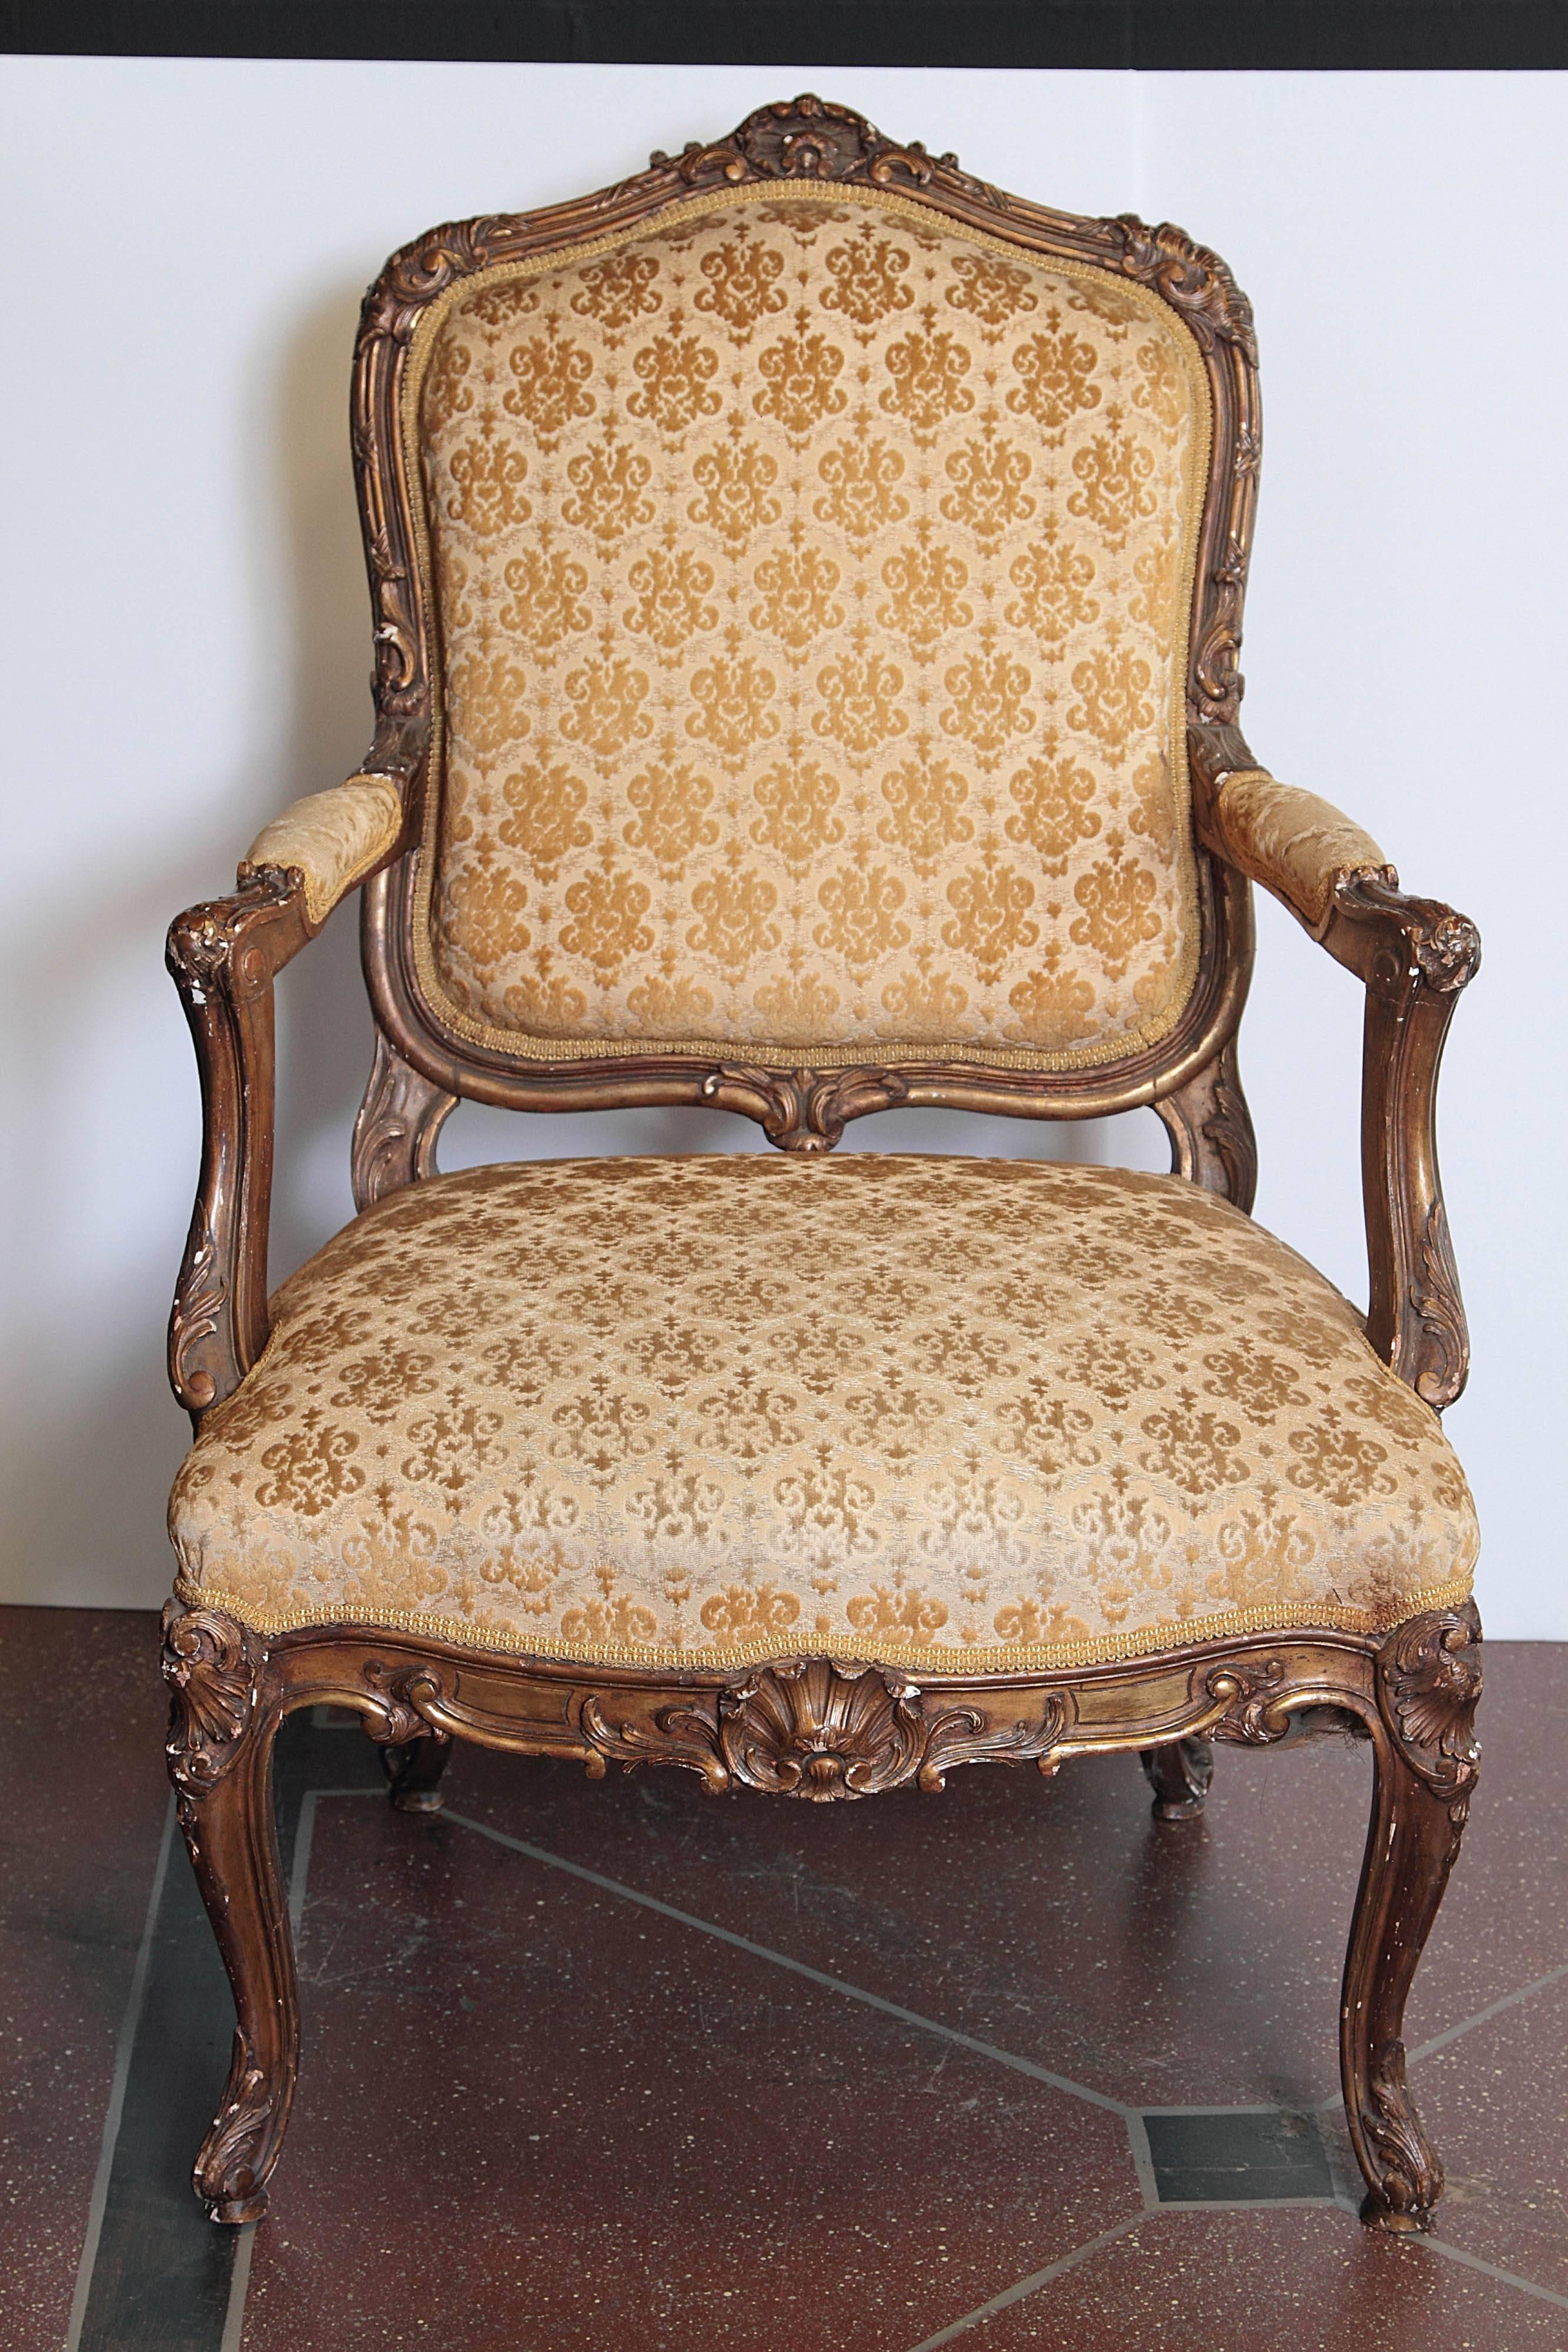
x=1429 y=1681
x=200 y=1299
x=1252 y=1692
x=1412 y=2177
x=226 y=2169
x=212 y=1666
x=1440 y=1310
x=802 y=1111
x=1211 y=1129
x=399 y=1697
x=398 y=1127
x=686 y=1736
x=421 y=271
x=1194 y=280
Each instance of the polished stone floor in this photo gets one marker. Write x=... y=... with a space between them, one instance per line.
x=1014 y=2066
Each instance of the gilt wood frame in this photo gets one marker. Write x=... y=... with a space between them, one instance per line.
x=826 y=1729
x=800 y=1107
x=1412 y=954
x=819 y=1727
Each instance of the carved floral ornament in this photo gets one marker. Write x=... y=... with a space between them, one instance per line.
x=1440 y=946
x=825 y=1730
x=1429 y=1681
x=212 y=1666
x=806 y=138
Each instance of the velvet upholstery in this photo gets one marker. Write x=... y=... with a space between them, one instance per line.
x=335 y=838
x=814 y=580
x=945 y=1412
x=1293 y=842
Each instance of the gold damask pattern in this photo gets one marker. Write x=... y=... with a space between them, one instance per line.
x=814 y=579
x=943 y=1413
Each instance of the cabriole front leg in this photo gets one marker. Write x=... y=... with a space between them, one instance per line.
x=1428 y=1680
x=225 y=1714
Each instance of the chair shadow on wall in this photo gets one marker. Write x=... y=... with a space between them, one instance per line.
x=128 y=1428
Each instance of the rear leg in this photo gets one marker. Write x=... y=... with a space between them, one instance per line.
x=413 y=1769
x=1179 y=1774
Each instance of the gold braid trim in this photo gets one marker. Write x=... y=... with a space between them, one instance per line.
x=917 y=1657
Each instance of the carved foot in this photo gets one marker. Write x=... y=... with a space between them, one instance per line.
x=1411 y=2176
x=413 y=1770
x=224 y=1717
x=1179 y=1774
x=1428 y=1680
x=240 y=2148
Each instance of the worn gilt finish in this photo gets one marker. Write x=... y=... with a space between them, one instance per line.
x=817 y=1727
x=800 y=1108
x=823 y=1731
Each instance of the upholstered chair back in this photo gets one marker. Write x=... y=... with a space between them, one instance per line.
x=813 y=577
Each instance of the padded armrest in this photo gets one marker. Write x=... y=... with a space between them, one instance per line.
x=1297 y=845
x=333 y=838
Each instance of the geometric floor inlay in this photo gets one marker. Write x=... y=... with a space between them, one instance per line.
x=1251 y=2155
x=865 y=2018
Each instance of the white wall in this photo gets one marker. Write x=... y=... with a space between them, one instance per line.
x=188 y=648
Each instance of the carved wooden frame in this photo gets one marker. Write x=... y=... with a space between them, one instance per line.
x=1412 y=954
x=817 y=1727
x=800 y=1107
x=826 y=1729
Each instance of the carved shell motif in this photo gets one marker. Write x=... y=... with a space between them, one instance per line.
x=1431 y=1680
x=211 y=1663
x=809 y=1728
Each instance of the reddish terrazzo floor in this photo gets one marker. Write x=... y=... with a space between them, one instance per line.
x=535 y=2114
x=81 y=1765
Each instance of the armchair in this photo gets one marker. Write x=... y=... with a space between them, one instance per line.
x=807 y=588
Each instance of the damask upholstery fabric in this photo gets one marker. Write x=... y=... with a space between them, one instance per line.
x=814 y=580
x=334 y=837
x=1293 y=842
x=958 y=1415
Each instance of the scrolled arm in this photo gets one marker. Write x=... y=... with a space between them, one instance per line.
x=224 y=957
x=1413 y=956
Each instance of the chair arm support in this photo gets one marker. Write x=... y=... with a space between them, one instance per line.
x=1413 y=956
x=224 y=957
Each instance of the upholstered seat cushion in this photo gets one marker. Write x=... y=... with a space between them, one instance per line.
x=937 y=1412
